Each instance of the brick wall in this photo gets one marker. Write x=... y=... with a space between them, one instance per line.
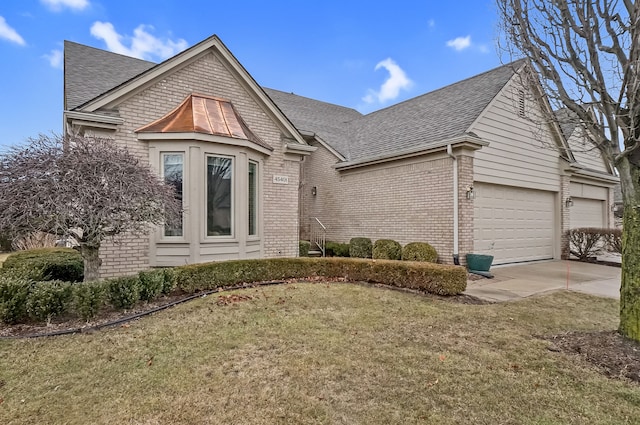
x=209 y=76
x=407 y=200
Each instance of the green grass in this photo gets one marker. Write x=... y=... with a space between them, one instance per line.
x=322 y=354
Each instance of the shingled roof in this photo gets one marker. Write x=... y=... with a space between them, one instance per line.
x=328 y=121
x=416 y=123
x=89 y=72
x=419 y=122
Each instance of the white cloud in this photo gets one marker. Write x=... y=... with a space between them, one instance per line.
x=390 y=89
x=142 y=45
x=9 y=33
x=55 y=58
x=57 y=5
x=460 y=43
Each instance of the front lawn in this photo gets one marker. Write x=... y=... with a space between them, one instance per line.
x=322 y=353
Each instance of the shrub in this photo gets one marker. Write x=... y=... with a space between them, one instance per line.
x=88 y=298
x=360 y=248
x=337 y=249
x=151 y=284
x=387 y=249
x=34 y=240
x=613 y=240
x=169 y=283
x=419 y=251
x=14 y=290
x=123 y=292
x=64 y=264
x=303 y=248
x=49 y=299
x=433 y=278
x=585 y=242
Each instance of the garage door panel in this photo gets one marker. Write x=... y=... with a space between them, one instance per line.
x=513 y=224
x=586 y=213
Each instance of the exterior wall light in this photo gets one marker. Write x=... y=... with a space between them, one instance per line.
x=314 y=190
x=470 y=193
x=569 y=202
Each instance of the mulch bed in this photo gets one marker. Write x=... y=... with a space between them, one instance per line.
x=616 y=356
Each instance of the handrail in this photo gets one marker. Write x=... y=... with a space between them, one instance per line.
x=319 y=235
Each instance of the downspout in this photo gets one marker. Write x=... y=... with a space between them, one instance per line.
x=456 y=224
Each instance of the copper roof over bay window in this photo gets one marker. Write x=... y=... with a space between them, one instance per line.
x=205 y=115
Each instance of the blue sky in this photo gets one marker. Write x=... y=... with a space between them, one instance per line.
x=361 y=54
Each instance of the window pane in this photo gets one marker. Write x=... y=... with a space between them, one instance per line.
x=253 y=197
x=173 y=171
x=219 y=184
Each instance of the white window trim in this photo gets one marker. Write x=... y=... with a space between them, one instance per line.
x=222 y=238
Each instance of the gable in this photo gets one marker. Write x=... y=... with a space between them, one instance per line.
x=227 y=70
x=523 y=147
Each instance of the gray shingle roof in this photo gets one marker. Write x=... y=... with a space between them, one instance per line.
x=567 y=120
x=428 y=119
x=89 y=72
x=433 y=117
x=330 y=122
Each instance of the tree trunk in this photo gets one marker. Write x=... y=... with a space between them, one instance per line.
x=92 y=261
x=630 y=284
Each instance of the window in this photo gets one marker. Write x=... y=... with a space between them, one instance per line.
x=173 y=173
x=253 y=198
x=219 y=193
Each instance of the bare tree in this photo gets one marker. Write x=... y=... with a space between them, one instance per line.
x=586 y=53
x=86 y=188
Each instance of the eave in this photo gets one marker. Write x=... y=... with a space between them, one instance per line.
x=465 y=141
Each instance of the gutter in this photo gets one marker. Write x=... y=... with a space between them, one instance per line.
x=456 y=223
x=470 y=141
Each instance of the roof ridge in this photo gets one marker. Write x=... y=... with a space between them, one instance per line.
x=312 y=99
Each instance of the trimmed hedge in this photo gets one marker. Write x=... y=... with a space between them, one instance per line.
x=14 y=291
x=64 y=264
x=123 y=292
x=387 y=249
x=337 y=249
x=434 y=278
x=303 y=248
x=49 y=299
x=360 y=248
x=88 y=298
x=419 y=251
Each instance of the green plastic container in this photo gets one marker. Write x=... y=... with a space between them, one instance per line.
x=479 y=262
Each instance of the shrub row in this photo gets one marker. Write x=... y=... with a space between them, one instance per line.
x=434 y=278
x=587 y=242
x=23 y=298
x=63 y=264
x=387 y=249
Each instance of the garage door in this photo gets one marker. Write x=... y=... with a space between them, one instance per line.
x=586 y=213
x=513 y=224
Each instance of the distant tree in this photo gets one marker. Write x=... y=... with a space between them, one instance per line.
x=85 y=188
x=586 y=53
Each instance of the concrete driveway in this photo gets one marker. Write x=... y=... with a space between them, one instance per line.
x=524 y=280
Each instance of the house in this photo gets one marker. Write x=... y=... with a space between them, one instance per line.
x=208 y=128
x=477 y=166
x=468 y=168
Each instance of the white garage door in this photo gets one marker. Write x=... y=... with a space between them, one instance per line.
x=586 y=213
x=513 y=224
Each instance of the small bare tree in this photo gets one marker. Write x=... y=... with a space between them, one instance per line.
x=586 y=53
x=85 y=188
